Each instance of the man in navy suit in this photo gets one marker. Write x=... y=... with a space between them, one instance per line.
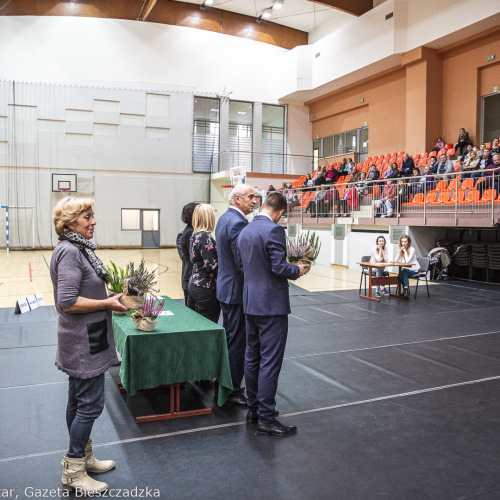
x=230 y=282
x=266 y=302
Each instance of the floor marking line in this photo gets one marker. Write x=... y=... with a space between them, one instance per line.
x=362 y=309
x=298 y=317
x=162 y=265
x=390 y=345
x=31 y=272
x=31 y=385
x=46 y=263
x=327 y=312
x=241 y=423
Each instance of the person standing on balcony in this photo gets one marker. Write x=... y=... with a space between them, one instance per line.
x=463 y=141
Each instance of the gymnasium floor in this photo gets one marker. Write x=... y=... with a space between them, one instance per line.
x=396 y=399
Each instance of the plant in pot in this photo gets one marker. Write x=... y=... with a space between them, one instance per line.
x=304 y=249
x=116 y=277
x=145 y=319
x=140 y=282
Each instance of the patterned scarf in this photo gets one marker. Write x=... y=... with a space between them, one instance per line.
x=88 y=248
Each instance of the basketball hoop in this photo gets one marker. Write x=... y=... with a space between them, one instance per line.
x=64 y=190
x=227 y=190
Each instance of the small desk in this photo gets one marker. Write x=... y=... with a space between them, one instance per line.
x=384 y=280
x=185 y=346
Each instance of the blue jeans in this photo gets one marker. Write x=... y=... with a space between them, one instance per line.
x=405 y=274
x=85 y=404
x=379 y=273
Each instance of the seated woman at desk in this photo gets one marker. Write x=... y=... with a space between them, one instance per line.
x=407 y=255
x=203 y=255
x=379 y=256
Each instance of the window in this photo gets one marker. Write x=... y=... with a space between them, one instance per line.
x=131 y=219
x=206 y=135
x=273 y=139
x=240 y=134
x=345 y=143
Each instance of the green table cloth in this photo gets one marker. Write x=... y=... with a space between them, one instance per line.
x=185 y=346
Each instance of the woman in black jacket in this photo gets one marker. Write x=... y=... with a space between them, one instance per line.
x=463 y=141
x=187 y=266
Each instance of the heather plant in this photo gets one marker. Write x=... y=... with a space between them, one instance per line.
x=140 y=281
x=150 y=310
x=305 y=247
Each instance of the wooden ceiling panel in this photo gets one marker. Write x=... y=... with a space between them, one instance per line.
x=355 y=7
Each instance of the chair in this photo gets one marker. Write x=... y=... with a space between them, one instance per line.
x=467 y=184
x=488 y=196
x=473 y=196
x=454 y=199
x=366 y=270
x=451 y=152
x=441 y=186
x=424 y=263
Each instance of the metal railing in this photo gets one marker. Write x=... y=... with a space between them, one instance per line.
x=449 y=199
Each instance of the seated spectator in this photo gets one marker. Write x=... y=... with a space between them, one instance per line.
x=495 y=174
x=393 y=172
x=343 y=169
x=362 y=184
x=388 y=198
x=484 y=162
x=443 y=167
x=495 y=148
x=331 y=175
x=350 y=165
x=467 y=153
x=308 y=182
x=379 y=256
x=439 y=145
x=407 y=166
x=463 y=141
x=432 y=164
x=328 y=200
x=349 y=201
x=355 y=174
x=426 y=182
x=315 y=204
x=481 y=151
x=470 y=165
x=292 y=198
x=320 y=179
x=373 y=174
x=407 y=255
x=414 y=182
x=270 y=189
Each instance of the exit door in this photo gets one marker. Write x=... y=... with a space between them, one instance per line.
x=150 y=228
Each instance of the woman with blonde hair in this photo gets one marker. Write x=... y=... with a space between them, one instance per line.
x=407 y=255
x=203 y=255
x=85 y=344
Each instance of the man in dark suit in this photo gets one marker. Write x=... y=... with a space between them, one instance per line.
x=230 y=282
x=266 y=302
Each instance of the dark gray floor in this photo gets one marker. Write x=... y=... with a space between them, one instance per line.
x=396 y=399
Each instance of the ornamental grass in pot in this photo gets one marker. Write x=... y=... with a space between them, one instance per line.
x=116 y=277
x=304 y=249
x=145 y=319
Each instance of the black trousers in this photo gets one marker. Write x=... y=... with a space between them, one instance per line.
x=188 y=300
x=205 y=302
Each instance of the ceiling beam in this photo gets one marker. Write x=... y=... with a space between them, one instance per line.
x=355 y=7
x=149 y=7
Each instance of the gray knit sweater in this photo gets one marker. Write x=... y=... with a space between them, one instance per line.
x=85 y=344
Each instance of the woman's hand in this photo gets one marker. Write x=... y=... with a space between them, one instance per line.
x=113 y=303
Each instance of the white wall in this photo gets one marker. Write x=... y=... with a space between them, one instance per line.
x=71 y=49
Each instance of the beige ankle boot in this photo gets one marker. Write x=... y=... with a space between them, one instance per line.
x=75 y=477
x=94 y=465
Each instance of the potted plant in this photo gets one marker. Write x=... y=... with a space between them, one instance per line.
x=304 y=249
x=145 y=319
x=139 y=282
x=116 y=277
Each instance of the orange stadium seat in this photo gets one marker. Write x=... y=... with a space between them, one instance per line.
x=488 y=196
x=441 y=186
x=443 y=197
x=454 y=199
x=473 y=196
x=418 y=199
x=467 y=184
x=451 y=152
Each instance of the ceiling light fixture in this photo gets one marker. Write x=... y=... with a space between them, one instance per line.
x=206 y=3
x=278 y=4
x=266 y=14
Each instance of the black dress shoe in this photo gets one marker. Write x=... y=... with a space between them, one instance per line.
x=236 y=399
x=275 y=429
x=253 y=417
